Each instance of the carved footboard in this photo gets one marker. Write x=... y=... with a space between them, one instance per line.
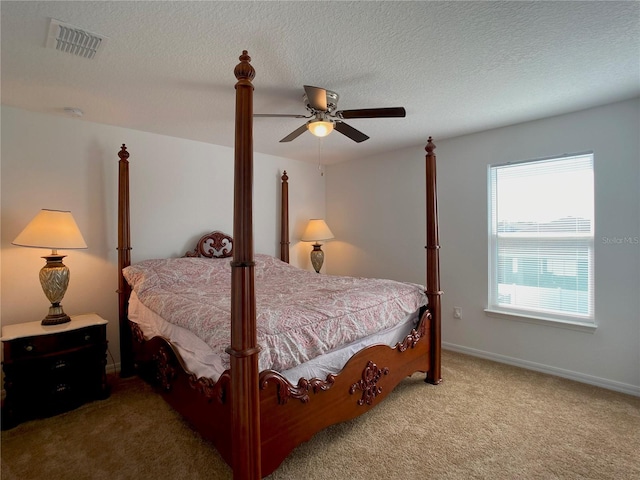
x=290 y=414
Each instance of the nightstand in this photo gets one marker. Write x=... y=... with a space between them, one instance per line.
x=52 y=369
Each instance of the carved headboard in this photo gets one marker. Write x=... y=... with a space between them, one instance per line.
x=213 y=245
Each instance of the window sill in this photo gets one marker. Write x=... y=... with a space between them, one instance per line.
x=568 y=324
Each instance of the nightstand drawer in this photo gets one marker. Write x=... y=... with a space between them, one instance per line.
x=47 y=369
x=51 y=370
x=41 y=345
x=47 y=385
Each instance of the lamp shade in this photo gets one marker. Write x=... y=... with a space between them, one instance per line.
x=52 y=229
x=320 y=128
x=317 y=229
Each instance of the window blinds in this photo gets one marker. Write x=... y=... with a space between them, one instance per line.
x=541 y=232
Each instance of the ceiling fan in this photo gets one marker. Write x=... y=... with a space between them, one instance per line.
x=322 y=104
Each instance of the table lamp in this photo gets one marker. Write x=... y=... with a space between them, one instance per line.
x=54 y=229
x=317 y=230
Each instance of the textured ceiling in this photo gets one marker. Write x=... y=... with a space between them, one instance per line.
x=457 y=67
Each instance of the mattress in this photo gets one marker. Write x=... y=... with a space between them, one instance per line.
x=203 y=362
x=300 y=315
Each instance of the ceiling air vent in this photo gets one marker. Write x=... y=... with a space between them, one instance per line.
x=74 y=40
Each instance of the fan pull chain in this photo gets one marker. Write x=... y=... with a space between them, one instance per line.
x=320 y=157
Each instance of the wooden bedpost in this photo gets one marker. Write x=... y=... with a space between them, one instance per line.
x=244 y=349
x=284 y=218
x=433 y=265
x=124 y=260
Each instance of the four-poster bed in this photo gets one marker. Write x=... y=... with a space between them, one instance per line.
x=256 y=416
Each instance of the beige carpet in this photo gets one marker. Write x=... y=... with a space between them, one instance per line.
x=485 y=421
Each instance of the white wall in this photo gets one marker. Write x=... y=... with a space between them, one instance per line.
x=375 y=207
x=180 y=190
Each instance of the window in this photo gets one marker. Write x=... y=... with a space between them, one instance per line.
x=541 y=238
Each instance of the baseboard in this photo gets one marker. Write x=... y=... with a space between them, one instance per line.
x=538 y=367
x=113 y=368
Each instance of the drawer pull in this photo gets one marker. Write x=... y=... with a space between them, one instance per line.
x=87 y=338
x=60 y=364
x=61 y=388
x=28 y=348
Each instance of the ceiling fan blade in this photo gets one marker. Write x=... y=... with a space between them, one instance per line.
x=280 y=115
x=372 y=113
x=295 y=134
x=349 y=131
x=317 y=97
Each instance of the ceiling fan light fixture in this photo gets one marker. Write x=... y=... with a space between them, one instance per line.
x=320 y=128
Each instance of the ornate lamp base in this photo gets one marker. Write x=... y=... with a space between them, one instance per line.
x=54 y=278
x=56 y=316
x=317 y=257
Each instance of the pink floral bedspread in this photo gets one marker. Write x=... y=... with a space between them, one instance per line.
x=300 y=314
